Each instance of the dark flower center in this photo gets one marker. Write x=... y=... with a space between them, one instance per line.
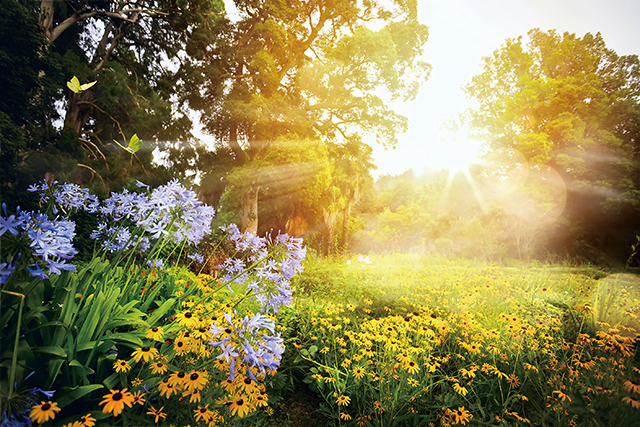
x=46 y=407
x=155 y=329
x=194 y=376
x=240 y=402
x=228 y=331
x=180 y=344
x=145 y=348
x=117 y=396
x=247 y=381
x=187 y=315
x=203 y=410
x=181 y=374
x=159 y=365
x=202 y=330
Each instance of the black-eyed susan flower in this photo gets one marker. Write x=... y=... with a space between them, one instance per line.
x=261 y=399
x=167 y=389
x=188 y=319
x=44 y=412
x=412 y=367
x=561 y=395
x=345 y=416
x=177 y=379
x=158 y=368
x=194 y=396
x=182 y=346
x=358 y=372
x=156 y=334
x=631 y=386
x=145 y=353
x=157 y=413
x=412 y=382
x=114 y=402
x=202 y=413
x=343 y=400
x=460 y=389
x=87 y=421
x=461 y=416
x=239 y=406
x=137 y=398
x=121 y=366
x=196 y=380
x=633 y=402
x=73 y=424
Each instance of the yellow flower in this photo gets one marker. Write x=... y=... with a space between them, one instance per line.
x=167 y=389
x=202 y=413
x=344 y=416
x=632 y=386
x=87 y=421
x=116 y=400
x=156 y=334
x=461 y=416
x=121 y=366
x=343 y=401
x=635 y=403
x=157 y=413
x=562 y=395
x=137 y=398
x=358 y=373
x=158 y=368
x=44 y=412
x=188 y=319
x=460 y=389
x=177 y=379
x=145 y=353
x=239 y=407
x=196 y=380
x=412 y=382
x=412 y=367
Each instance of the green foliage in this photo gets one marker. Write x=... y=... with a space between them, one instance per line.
x=570 y=104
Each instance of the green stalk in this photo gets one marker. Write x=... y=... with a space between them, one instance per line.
x=14 y=357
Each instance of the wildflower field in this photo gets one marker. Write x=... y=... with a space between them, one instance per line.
x=137 y=335
x=418 y=341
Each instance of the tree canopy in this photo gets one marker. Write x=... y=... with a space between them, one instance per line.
x=311 y=69
x=573 y=105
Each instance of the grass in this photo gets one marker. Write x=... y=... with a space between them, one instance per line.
x=409 y=340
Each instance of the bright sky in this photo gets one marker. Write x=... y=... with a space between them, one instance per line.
x=461 y=32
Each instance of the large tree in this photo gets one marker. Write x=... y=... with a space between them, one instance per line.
x=570 y=104
x=136 y=50
x=308 y=69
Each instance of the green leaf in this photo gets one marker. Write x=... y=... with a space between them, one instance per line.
x=53 y=349
x=161 y=311
x=72 y=395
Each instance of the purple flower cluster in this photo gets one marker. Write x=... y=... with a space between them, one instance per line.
x=50 y=242
x=266 y=268
x=65 y=196
x=170 y=211
x=250 y=342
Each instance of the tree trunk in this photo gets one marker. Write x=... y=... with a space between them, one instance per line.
x=346 y=216
x=296 y=225
x=78 y=110
x=249 y=214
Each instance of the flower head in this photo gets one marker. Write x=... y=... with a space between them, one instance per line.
x=44 y=412
x=114 y=402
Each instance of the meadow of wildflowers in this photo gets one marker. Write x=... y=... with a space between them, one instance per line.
x=134 y=337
